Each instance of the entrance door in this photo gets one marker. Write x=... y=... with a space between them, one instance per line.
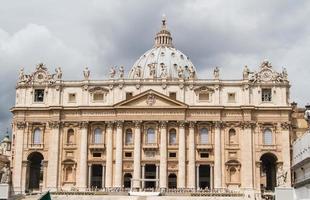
x=150 y=173
x=204 y=176
x=96 y=176
x=35 y=170
x=269 y=171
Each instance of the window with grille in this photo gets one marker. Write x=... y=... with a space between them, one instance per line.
x=266 y=95
x=267 y=137
x=204 y=136
x=98 y=96
x=150 y=137
x=128 y=95
x=204 y=96
x=70 y=136
x=39 y=95
x=173 y=95
x=72 y=97
x=172 y=137
x=97 y=136
x=128 y=138
x=37 y=136
x=231 y=97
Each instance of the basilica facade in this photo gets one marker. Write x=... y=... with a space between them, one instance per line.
x=161 y=126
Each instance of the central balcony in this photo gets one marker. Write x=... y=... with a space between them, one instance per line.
x=36 y=146
x=204 y=147
x=97 y=147
x=150 y=146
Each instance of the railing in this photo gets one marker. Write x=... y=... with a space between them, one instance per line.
x=99 y=146
x=202 y=146
x=69 y=146
x=269 y=147
x=36 y=146
x=150 y=146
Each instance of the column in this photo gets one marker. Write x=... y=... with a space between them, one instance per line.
x=217 y=156
x=191 y=156
x=163 y=156
x=118 y=155
x=89 y=175
x=143 y=176
x=25 y=167
x=181 y=156
x=109 y=155
x=197 y=176
x=157 y=175
x=137 y=155
x=18 y=157
x=82 y=183
x=246 y=156
x=103 y=177
x=53 y=156
x=285 y=133
x=211 y=176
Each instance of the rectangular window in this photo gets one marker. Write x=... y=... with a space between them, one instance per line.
x=204 y=96
x=98 y=96
x=39 y=95
x=204 y=155
x=128 y=154
x=172 y=154
x=231 y=97
x=96 y=155
x=128 y=95
x=266 y=95
x=173 y=95
x=72 y=97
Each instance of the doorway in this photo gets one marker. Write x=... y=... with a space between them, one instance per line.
x=204 y=176
x=150 y=173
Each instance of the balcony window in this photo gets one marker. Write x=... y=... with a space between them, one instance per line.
x=98 y=96
x=39 y=95
x=267 y=137
x=70 y=136
x=97 y=136
x=266 y=95
x=150 y=137
x=204 y=136
x=172 y=137
x=204 y=96
x=173 y=95
x=232 y=136
x=37 y=136
x=231 y=97
x=128 y=138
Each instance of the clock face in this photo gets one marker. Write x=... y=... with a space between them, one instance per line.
x=266 y=75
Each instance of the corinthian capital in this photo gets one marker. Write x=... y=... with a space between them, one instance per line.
x=285 y=125
x=110 y=124
x=54 y=124
x=247 y=124
x=137 y=124
x=218 y=124
x=182 y=123
x=119 y=124
x=192 y=124
x=20 y=125
x=163 y=124
x=83 y=124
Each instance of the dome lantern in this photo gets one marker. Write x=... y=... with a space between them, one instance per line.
x=163 y=37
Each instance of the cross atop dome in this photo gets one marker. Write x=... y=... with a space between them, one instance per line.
x=163 y=37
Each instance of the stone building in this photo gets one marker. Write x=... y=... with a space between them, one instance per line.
x=160 y=122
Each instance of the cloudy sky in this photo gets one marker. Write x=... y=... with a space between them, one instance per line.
x=73 y=34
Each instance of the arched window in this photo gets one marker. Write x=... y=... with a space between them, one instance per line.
x=204 y=136
x=267 y=137
x=70 y=136
x=232 y=136
x=172 y=137
x=98 y=136
x=128 y=138
x=37 y=136
x=150 y=138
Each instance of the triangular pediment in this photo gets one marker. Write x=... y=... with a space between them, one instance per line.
x=150 y=99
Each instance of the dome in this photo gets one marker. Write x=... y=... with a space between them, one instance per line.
x=163 y=61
